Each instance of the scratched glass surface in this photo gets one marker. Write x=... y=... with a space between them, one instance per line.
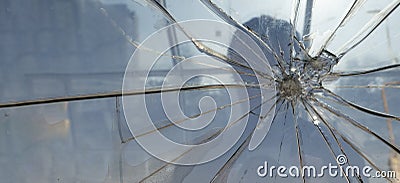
x=336 y=71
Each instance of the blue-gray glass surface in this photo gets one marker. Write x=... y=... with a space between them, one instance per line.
x=328 y=89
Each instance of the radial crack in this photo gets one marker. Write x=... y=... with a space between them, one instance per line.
x=119 y=94
x=212 y=136
x=368 y=28
x=235 y=156
x=325 y=139
x=357 y=73
x=354 y=147
x=361 y=108
x=358 y=125
x=194 y=116
x=200 y=46
x=218 y=11
x=353 y=9
x=332 y=131
x=298 y=140
x=293 y=23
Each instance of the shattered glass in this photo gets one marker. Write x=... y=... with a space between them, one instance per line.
x=335 y=70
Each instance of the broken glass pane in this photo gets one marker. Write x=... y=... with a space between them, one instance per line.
x=333 y=66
